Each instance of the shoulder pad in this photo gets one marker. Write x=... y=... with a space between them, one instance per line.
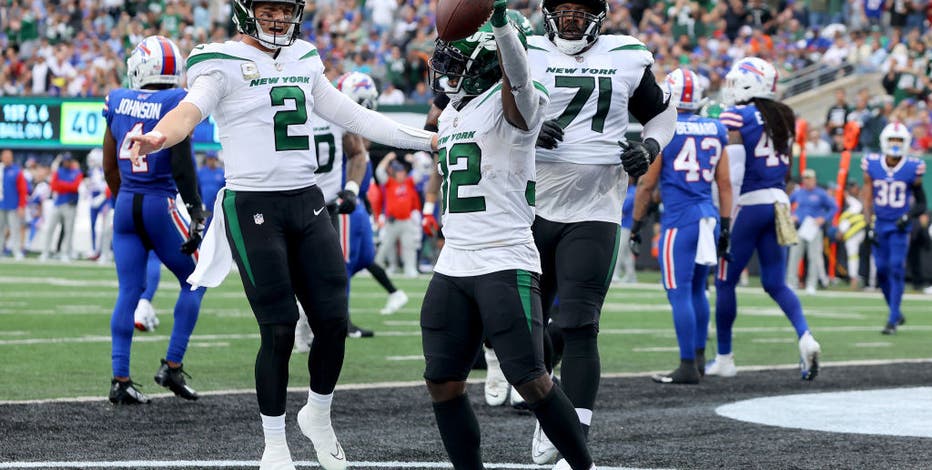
x=212 y=51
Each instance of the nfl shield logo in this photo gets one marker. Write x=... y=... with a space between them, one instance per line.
x=258 y=219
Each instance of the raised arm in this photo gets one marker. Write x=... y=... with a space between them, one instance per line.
x=521 y=103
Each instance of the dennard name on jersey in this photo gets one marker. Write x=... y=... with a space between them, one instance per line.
x=696 y=128
x=140 y=109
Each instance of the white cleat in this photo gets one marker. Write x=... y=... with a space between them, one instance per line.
x=396 y=300
x=276 y=456
x=809 y=351
x=564 y=465
x=315 y=424
x=302 y=336
x=516 y=400
x=144 y=318
x=722 y=366
x=542 y=450
x=496 y=386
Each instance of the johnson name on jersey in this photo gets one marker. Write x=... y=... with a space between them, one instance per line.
x=134 y=112
x=589 y=95
x=764 y=167
x=328 y=144
x=892 y=187
x=488 y=172
x=688 y=171
x=264 y=117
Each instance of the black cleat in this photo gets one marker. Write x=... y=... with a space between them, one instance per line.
x=890 y=329
x=354 y=331
x=686 y=373
x=173 y=379
x=700 y=361
x=126 y=393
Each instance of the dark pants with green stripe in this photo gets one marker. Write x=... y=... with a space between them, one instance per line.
x=285 y=247
x=504 y=306
x=577 y=260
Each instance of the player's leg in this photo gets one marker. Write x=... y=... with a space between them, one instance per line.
x=677 y=262
x=815 y=264
x=361 y=239
x=410 y=240
x=853 y=250
x=67 y=250
x=451 y=334
x=792 y=267
x=509 y=303
x=16 y=234
x=624 y=269
x=746 y=227
x=318 y=273
x=261 y=255
x=881 y=253
x=146 y=320
x=50 y=226
x=898 y=246
x=168 y=230
x=772 y=259
x=546 y=235
x=129 y=254
x=700 y=303
x=585 y=259
x=95 y=211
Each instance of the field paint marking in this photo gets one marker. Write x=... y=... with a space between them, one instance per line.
x=773 y=340
x=657 y=349
x=877 y=344
x=474 y=380
x=255 y=463
x=404 y=358
x=401 y=323
x=760 y=291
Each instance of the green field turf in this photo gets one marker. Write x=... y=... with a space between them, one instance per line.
x=54 y=332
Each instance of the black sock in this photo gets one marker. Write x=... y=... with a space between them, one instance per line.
x=459 y=430
x=275 y=346
x=325 y=360
x=559 y=422
x=581 y=367
x=379 y=274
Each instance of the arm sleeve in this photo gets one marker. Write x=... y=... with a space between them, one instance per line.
x=339 y=109
x=205 y=92
x=185 y=175
x=648 y=99
x=515 y=66
x=736 y=157
x=919 y=207
x=661 y=127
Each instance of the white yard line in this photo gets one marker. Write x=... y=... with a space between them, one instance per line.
x=255 y=463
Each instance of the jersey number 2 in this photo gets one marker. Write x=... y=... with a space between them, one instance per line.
x=285 y=118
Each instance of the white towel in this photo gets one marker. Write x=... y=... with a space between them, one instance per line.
x=215 y=258
x=808 y=229
x=705 y=248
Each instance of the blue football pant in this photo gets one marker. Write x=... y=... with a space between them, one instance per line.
x=890 y=256
x=142 y=223
x=684 y=281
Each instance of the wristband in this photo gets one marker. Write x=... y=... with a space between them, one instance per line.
x=636 y=226
x=726 y=223
x=428 y=208
x=352 y=187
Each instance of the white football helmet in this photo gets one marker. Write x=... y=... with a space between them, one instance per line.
x=360 y=88
x=895 y=130
x=685 y=89
x=95 y=158
x=246 y=22
x=749 y=78
x=155 y=61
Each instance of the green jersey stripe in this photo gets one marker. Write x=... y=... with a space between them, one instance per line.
x=524 y=292
x=229 y=210
x=198 y=58
x=631 y=47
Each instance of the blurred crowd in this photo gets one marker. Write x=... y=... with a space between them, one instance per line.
x=76 y=47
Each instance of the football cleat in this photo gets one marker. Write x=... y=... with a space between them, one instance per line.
x=144 y=317
x=354 y=331
x=516 y=400
x=686 y=373
x=809 y=351
x=173 y=379
x=302 y=336
x=315 y=424
x=542 y=450
x=700 y=361
x=722 y=366
x=396 y=300
x=890 y=329
x=276 y=456
x=496 y=386
x=564 y=465
x=126 y=393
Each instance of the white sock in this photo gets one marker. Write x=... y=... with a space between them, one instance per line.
x=321 y=402
x=585 y=416
x=273 y=427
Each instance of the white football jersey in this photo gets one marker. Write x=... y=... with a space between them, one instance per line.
x=487 y=166
x=328 y=143
x=582 y=179
x=264 y=115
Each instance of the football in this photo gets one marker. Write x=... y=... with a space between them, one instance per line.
x=458 y=19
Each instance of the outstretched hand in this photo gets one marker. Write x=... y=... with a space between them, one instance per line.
x=145 y=144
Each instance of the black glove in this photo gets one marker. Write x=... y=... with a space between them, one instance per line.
x=346 y=202
x=634 y=242
x=903 y=222
x=195 y=230
x=637 y=156
x=724 y=239
x=550 y=136
x=871 y=236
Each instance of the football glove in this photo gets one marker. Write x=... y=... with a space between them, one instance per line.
x=430 y=225
x=636 y=156
x=871 y=236
x=634 y=242
x=195 y=230
x=903 y=222
x=346 y=202
x=499 y=16
x=724 y=239
x=550 y=136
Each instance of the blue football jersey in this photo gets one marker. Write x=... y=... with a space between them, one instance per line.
x=688 y=170
x=135 y=112
x=763 y=167
x=892 y=187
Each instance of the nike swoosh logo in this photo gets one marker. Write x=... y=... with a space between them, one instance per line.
x=317 y=212
x=339 y=455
